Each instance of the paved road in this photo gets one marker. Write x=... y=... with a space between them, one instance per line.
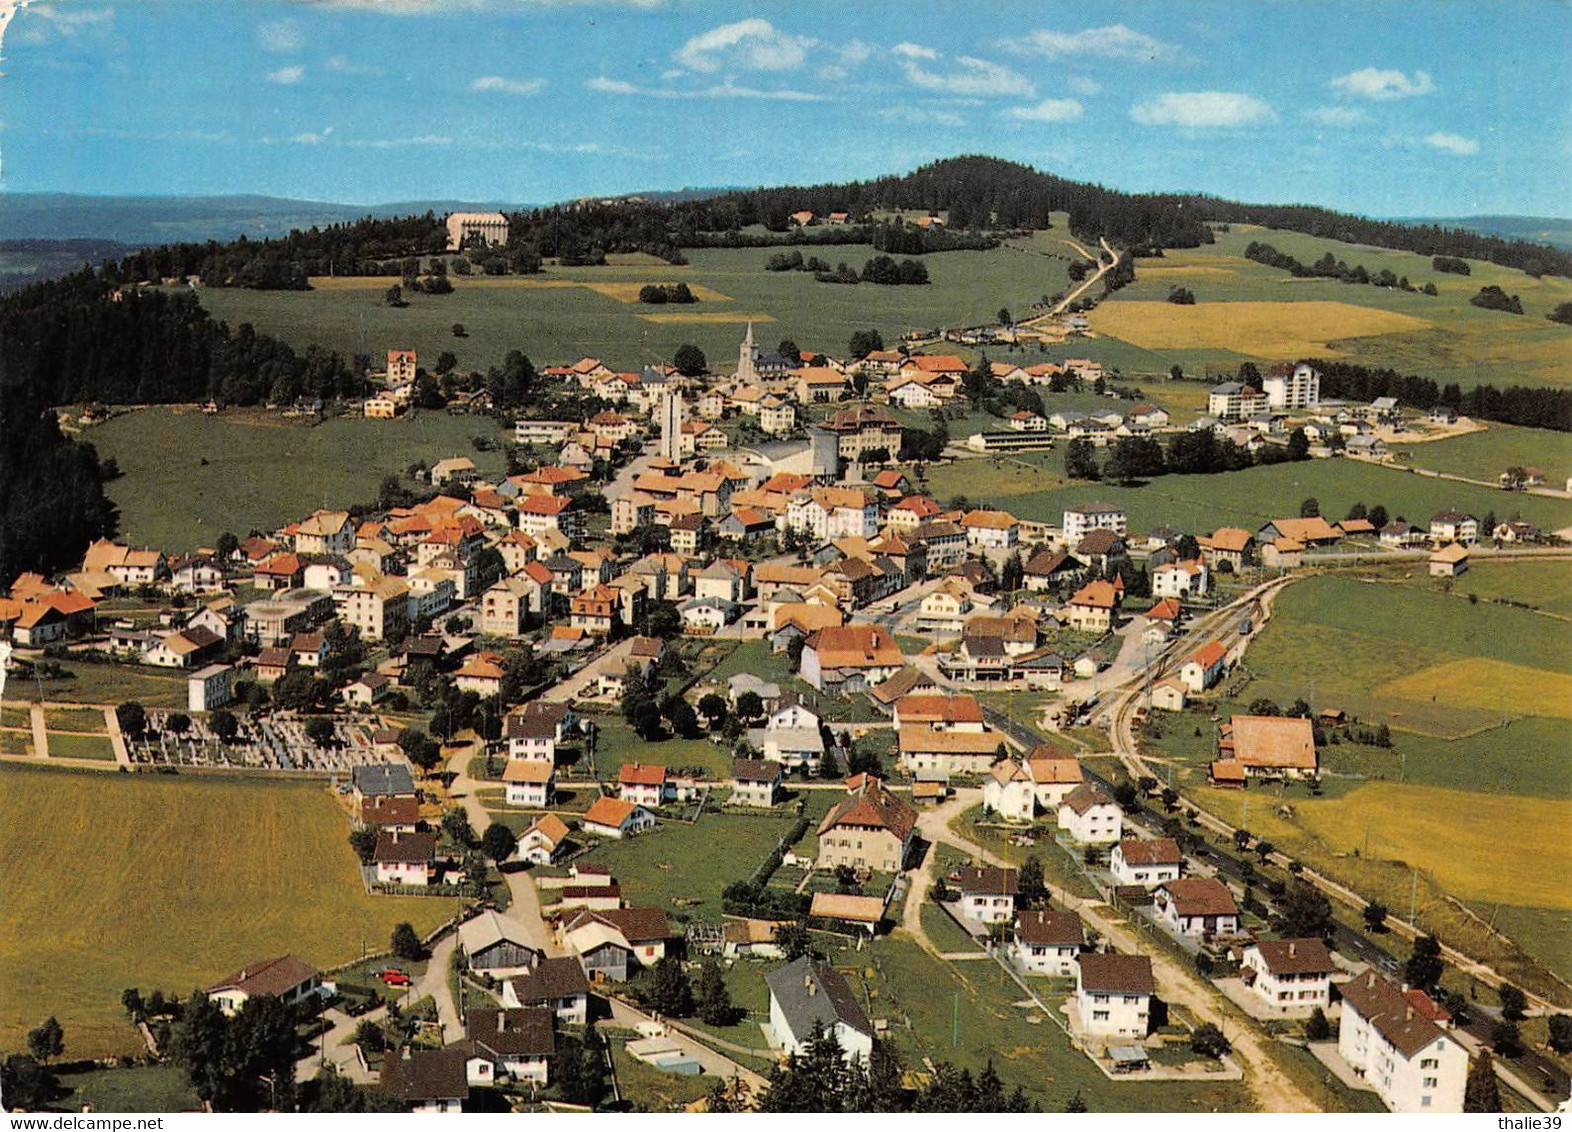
x=334 y=1047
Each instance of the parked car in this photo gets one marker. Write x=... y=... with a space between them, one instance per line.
x=395 y=977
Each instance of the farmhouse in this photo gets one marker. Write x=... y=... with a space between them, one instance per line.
x=1093 y=608
x=518 y=1042
x=1048 y=943
x=614 y=944
x=849 y=658
x=285 y=977
x=1269 y=746
x=494 y=947
x=1113 y=995
x=806 y=995
x=1291 y=976
x=428 y=1080
x=868 y=829
x=757 y=782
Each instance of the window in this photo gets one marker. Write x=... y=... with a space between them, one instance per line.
x=1428 y=1083
x=1099 y=1016
x=1430 y=1063
x=1424 y=1102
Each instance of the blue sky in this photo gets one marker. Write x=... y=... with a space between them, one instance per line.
x=1440 y=108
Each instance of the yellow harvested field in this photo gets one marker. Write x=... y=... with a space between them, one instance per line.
x=1489 y=685
x=1480 y=847
x=629 y=292
x=1261 y=329
x=1197 y=272
x=709 y=316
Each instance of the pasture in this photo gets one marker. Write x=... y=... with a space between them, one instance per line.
x=1394 y=654
x=1484 y=455
x=1258 y=329
x=1453 y=342
x=111 y=881
x=1246 y=499
x=190 y=476
x=569 y=311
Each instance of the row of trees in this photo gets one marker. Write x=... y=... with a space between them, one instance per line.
x=1517 y=404
x=1330 y=267
x=1135 y=458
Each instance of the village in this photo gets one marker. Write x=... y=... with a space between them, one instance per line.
x=556 y=622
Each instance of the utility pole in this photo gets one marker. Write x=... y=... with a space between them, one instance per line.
x=1413 y=899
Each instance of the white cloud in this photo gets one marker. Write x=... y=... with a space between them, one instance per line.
x=281 y=37
x=922 y=116
x=287 y=76
x=1116 y=41
x=53 y=21
x=342 y=65
x=1453 y=143
x=1048 y=110
x=402 y=143
x=969 y=76
x=727 y=89
x=1080 y=84
x=310 y=137
x=747 y=45
x=1202 y=109
x=1383 y=86
x=508 y=86
x=1335 y=115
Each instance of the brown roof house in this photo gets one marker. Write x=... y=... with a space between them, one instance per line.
x=1196 y=907
x=868 y=829
x=284 y=977
x=1267 y=746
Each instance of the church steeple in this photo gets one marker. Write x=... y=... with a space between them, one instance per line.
x=747 y=355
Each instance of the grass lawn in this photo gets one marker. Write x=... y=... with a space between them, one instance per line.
x=92 y=682
x=141 y=1088
x=183 y=898
x=1251 y=497
x=88 y=720
x=189 y=476
x=1485 y=455
x=683 y=868
x=560 y=314
x=655 y=1090
x=1410 y=656
x=1539 y=585
x=617 y=743
x=80 y=746
x=945 y=933
x=966 y=1013
x=1546 y=933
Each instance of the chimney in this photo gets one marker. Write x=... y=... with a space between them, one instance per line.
x=502 y=1021
x=1408 y=1015
x=1293 y=949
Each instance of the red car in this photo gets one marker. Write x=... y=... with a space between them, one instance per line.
x=394 y=977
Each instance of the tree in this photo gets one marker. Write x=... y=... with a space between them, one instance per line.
x=1378 y=516
x=1514 y=1003
x=1482 y=1093
x=26 y=1085
x=865 y=342
x=46 y=1042
x=1309 y=508
x=177 y=723
x=405 y=944
x=1317 y=1028
x=132 y=718
x=364 y=842
x=1560 y=1032
x=498 y=842
x=1208 y=1041
x=1032 y=888
x=712 y=706
x=714 y=999
x=1076 y=1103
x=394 y=296
x=1375 y=917
x=689 y=361
x=224 y=724
x=455 y=823
x=793 y=940
x=1080 y=461
x=1506 y=1039
x=669 y=991
x=459 y=331
x=684 y=720
x=1424 y=966
x=419 y=748
x=749 y=706
x=581 y=1068
x=319 y=729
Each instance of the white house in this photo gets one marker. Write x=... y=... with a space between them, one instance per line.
x=1082 y=520
x=611 y=817
x=529 y=782
x=1180 y=579
x=1147 y=863
x=1113 y=995
x=519 y=1042
x=1196 y=907
x=405 y=858
x=804 y=994
x=283 y=977
x=1290 y=976
x=210 y=687
x=1205 y=667
x=542 y=843
x=1292 y=386
x=1049 y=943
x=1386 y=1037
x=987 y=894
x=1090 y=816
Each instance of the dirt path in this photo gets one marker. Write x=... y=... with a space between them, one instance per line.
x=1271 y=1088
